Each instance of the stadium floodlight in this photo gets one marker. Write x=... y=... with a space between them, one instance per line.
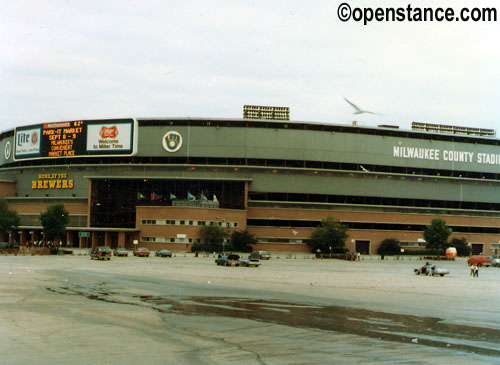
x=266 y=112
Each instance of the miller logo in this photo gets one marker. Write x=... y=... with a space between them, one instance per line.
x=108 y=132
x=172 y=141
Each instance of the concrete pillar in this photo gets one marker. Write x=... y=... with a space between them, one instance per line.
x=107 y=239
x=95 y=238
x=246 y=195
x=32 y=236
x=121 y=239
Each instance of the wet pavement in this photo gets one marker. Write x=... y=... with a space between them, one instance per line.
x=70 y=310
x=424 y=331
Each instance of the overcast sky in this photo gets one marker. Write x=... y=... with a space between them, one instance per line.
x=70 y=60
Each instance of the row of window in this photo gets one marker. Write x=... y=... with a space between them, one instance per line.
x=183 y=222
x=258 y=197
x=289 y=223
x=280 y=240
x=170 y=240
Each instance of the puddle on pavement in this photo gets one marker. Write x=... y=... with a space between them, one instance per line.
x=427 y=331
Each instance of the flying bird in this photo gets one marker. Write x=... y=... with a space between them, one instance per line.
x=358 y=109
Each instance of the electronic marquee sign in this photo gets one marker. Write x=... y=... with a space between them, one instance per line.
x=77 y=138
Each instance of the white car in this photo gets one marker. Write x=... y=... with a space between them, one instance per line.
x=430 y=269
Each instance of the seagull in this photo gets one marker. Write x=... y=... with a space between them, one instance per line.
x=358 y=109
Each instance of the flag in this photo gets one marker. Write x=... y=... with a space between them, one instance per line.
x=155 y=196
x=215 y=198
x=172 y=196
x=140 y=196
x=203 y=197
x=191 y=196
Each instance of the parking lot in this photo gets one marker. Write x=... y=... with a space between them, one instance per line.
x=291 y=309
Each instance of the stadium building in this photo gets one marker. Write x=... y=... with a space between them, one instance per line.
x=154 y=181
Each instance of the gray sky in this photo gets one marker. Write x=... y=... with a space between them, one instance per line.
x=70 y=60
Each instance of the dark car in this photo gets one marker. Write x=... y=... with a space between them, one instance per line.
x=53 y=249
x=228 y=260
x=141 y=252
x=100 y=253
x=120 y=251
x=163 y=253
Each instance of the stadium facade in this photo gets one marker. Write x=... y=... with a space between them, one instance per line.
x=155 y=181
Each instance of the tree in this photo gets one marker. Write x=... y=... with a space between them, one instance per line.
x=9 y=219
x=213 y=237
x=329 y=236
x=54 y=221
x=436 y=235
x=461 y=245
x=390 y=246
x=241 y=241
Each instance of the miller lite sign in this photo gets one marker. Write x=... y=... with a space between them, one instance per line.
x=28 y=142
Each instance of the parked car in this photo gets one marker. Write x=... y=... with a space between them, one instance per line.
x=247 y=263
x=54 y=249
x=495 y=261
x=100 y=253
x=431 y=269
x=141 y=252
x=120 y=251
x=228 y=260
x=479 y=260
x=163 y=253
x=259 y=255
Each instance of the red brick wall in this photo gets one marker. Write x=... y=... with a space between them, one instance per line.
x=7 y=189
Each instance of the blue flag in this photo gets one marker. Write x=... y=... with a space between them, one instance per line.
x=172 y=196
x=191 y=196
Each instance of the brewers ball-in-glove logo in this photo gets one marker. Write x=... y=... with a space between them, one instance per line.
x=172 y=141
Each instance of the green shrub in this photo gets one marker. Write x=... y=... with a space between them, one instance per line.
x=390 y=246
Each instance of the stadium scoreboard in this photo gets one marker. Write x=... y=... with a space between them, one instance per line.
x=77 y=138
